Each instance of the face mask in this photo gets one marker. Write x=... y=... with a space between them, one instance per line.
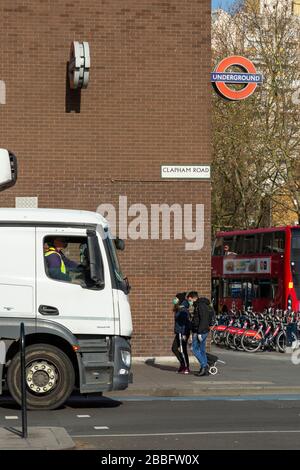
x=191 y=303
x=175 y=301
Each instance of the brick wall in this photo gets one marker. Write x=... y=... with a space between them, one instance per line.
x=147 y=104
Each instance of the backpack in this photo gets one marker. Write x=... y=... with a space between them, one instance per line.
x=212 y=319
x=204 y=312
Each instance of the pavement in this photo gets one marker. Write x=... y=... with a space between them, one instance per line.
x=243 y=373
x=39 y=438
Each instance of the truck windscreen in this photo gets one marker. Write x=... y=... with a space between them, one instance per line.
x=295 y=260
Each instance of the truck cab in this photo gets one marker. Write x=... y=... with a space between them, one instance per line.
x=75 y=308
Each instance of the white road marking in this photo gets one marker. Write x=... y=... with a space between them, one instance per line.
x=83 y=416
x=196 y=433
x=224 y=382
x=11 y=417
x=101 y=427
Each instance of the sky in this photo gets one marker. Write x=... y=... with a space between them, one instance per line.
x=225 y=4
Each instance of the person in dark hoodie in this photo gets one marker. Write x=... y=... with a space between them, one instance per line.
x=202 y=320
x=182 y=332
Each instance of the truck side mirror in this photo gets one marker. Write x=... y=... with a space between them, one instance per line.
x=96 y=265
x=8 y=169
x=119 y=244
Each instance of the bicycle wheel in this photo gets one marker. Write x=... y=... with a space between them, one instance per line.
x=227 y=339
x=251 y=343
x=237 y=342
x=217 y=337
x=230 y=340
x=281 y=341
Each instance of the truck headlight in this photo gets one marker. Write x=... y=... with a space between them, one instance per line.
x=126 y=358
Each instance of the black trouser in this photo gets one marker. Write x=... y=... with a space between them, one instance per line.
x=179 y=348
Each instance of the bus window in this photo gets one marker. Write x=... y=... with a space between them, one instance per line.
x=255 y=289
x=250 y=244
x=225 y=288
x=247 y=293
x=239 y=245
x=267 y=242
x=275 y=287
x=232 y=289
x=235 y=289
x=265 y=289
x=295 y=240
x=259 y=237
x=218 y=247
x=279 y=242
x=215 y=294
x=229 y=242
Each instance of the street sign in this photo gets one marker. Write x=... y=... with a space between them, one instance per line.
x=185 y=171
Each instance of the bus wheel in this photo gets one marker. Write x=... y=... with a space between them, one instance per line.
x=50 y=377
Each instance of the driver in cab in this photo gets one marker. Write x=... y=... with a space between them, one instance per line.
x=59 y=266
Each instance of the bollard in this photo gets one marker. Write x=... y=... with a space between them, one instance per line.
x=23 y=381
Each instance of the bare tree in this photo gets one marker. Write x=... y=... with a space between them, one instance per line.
x=257 y=141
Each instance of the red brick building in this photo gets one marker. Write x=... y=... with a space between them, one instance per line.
x=147 y=104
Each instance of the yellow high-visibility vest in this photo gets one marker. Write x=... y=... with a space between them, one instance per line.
x=52 y=250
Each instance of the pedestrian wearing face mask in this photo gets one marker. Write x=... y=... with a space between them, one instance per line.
x=182 y=332
x=203 y=317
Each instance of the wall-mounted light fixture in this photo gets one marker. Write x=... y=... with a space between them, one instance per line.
x=79 y=65
x=8 y=169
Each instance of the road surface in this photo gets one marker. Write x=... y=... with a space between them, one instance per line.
x=258 y=422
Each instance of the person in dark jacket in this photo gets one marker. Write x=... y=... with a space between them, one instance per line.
x=202 y=320
x=59 y=266
x=182 y=332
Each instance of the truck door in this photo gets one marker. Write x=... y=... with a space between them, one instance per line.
x=17 y=273
x=65 y=293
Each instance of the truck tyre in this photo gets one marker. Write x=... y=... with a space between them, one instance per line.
x=50 y=377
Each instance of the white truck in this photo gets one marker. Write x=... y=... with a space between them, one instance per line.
x=77 y=320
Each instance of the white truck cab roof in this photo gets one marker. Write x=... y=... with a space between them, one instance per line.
x=60 y=216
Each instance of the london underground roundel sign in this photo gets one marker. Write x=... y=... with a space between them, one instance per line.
x=248 y=76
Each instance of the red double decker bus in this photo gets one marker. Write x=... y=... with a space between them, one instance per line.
x=258 y=268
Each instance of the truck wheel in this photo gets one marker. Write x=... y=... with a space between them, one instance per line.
x=50 y=377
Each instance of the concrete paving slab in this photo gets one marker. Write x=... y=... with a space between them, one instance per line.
x=39 y=438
